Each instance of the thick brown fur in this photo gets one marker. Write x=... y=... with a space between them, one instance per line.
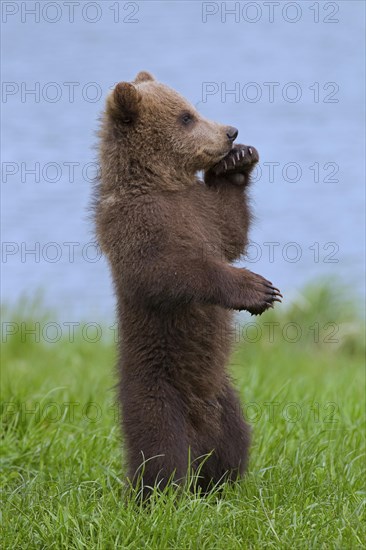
x=170 y=240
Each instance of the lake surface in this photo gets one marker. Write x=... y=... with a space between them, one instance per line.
x=291 y=80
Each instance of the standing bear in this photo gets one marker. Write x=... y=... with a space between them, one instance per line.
x=170 y=239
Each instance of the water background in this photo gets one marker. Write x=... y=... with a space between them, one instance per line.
x=314 y=120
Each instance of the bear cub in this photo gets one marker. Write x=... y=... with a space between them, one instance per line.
x=170 y=240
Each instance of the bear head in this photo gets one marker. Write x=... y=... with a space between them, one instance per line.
x=157 y=128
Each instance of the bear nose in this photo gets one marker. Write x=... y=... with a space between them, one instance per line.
x=232 y=133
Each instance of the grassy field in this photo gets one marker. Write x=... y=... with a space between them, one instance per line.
x=300 y=372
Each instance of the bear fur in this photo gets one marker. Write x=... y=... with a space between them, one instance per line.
x=170 y=240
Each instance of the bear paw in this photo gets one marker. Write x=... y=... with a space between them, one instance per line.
x=255 y=293
x=239 y=159
x=235 y=166
x=262 y=297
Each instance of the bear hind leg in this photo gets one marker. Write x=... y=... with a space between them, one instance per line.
x=229 y=450
x=155 y=439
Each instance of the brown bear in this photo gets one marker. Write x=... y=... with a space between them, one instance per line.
x=170 y=239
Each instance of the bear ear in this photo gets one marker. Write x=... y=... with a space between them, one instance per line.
x=143 y=76
x=123 y=102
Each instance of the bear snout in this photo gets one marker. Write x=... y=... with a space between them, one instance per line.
x=232 y=133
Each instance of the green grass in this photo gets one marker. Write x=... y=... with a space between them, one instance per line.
x=62 y=476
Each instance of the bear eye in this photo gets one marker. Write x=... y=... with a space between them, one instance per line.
x=187 y=118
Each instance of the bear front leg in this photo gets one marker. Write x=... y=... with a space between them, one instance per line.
x=227 y=184
x=186 y=279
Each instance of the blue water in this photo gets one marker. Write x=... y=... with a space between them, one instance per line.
x=312 y=127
